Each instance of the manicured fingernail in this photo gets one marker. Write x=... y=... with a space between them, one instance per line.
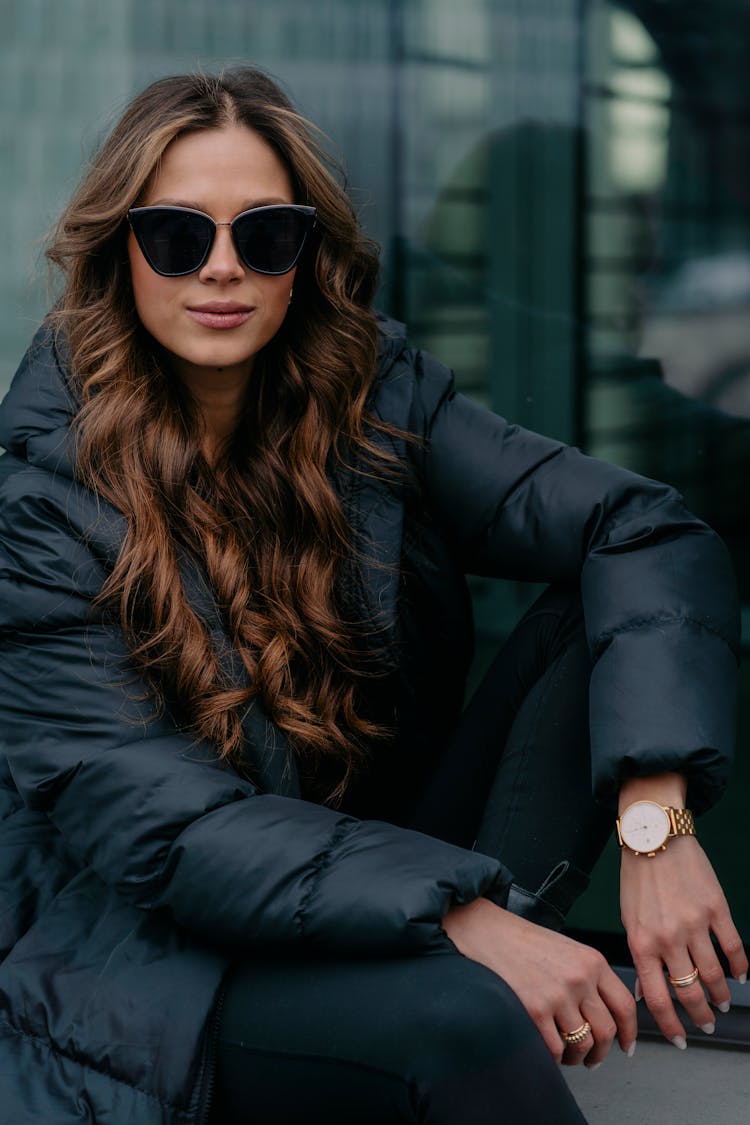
x=595 y=1066
x=724 y=1006
x=679 y=1042
x=742 y=978
x=638 y=991
x=630 y=1051
x=709 y=1028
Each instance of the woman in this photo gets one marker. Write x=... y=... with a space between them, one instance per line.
x=240 y=796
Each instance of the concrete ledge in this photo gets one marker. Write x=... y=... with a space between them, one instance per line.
x=699 y=1086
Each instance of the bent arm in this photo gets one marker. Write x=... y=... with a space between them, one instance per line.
x=155 y=814
x=662 y=621
x=658 y=591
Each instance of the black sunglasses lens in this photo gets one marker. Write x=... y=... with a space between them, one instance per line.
x=173 y=242
x=270 y=240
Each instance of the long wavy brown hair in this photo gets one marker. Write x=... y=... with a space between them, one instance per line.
x=266 y=523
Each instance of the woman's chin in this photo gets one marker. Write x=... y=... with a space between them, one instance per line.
x=207 y=365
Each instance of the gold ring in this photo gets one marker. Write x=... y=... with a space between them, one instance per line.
x=684 y=982
x=572 y=1038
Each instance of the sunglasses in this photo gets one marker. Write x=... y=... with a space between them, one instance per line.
x=177 y=240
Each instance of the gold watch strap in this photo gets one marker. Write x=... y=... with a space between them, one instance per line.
x=682 y=822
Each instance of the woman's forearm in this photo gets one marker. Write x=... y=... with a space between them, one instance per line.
x=667 y=789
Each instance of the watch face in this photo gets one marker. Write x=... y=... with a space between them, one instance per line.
x=644 y=826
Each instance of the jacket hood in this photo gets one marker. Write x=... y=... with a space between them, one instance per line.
x=392 y=341
x=36 y=413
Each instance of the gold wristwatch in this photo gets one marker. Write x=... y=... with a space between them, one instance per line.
x=646 y=827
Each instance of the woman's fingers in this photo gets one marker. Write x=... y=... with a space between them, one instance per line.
x=571 y=1021
x=730 y=942
x=575 y=1053
x=550 y=1033
x=711 y=977
x=608 y=1006
x=597 y=1021
x=610 y=1012
x=656 y=994
x=691 y=996
x=621 y=1005
x=603 y=1030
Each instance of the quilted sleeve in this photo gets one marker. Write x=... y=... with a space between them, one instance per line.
x=658 y=589
x=152 y=811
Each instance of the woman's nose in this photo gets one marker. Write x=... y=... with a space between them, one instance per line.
x=223 y=263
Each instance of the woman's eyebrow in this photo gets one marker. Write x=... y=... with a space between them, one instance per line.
x=248 y=205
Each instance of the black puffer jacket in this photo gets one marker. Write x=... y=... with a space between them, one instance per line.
x=133 y=868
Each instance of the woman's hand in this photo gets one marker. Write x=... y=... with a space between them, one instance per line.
x=560 y=982
x=671 y=905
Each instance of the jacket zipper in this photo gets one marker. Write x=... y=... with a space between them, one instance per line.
x=208 y=1082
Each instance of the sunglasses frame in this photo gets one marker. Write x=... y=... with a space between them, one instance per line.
x=308 y=212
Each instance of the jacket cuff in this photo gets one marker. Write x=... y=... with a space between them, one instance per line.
x=634 y=735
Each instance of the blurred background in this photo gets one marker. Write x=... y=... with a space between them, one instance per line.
x=561 y=190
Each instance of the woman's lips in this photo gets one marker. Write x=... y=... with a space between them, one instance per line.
x=220 y=316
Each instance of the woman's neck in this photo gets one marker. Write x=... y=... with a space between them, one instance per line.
x=219 y=395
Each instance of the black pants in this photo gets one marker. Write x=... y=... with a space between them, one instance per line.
x=440 y=1039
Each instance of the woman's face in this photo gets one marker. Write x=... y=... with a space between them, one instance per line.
x=214 y=321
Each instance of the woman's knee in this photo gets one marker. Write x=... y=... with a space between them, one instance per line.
x=477 y=1054
x=469 y=1020
x=439 y=1035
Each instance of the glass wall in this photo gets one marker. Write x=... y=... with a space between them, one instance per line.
x=665 y=285
x=666 y=251
x=560 y=188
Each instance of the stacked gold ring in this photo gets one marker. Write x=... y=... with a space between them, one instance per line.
x=572 y=1038
x=684 y=982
